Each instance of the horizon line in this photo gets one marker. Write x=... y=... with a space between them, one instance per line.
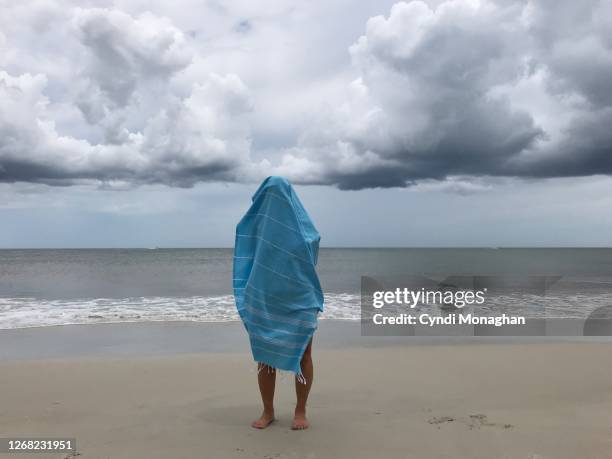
x=325 y=247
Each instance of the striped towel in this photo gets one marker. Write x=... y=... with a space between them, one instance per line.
x=277 y=290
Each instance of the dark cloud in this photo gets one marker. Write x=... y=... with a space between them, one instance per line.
x=145 y=125
x=517 y=89
x=457 y=89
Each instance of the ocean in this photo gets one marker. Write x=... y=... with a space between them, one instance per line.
x=78 y=286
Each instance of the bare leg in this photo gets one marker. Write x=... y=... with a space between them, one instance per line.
x=266 y=377
x=302 y=390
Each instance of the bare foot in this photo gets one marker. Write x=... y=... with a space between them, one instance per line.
x=300 y=422
x=264 y=420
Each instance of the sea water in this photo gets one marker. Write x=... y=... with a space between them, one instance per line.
x=76 y=286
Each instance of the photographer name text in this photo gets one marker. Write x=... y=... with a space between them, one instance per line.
x=432 y=321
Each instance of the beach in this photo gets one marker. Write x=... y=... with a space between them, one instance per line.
x=372 y=397
x=204 y=203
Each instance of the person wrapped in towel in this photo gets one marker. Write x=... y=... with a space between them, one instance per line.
x=277 y=290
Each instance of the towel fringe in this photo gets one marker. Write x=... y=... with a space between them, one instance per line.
x=270 y=369
x=260 y=366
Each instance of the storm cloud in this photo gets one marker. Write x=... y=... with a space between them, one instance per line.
x=470 y=88
x=430 y=91
x=139 y=123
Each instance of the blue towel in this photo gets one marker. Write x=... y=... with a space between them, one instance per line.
x=277 y=290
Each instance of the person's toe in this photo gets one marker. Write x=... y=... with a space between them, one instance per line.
x=299 y=424
x=262 y=422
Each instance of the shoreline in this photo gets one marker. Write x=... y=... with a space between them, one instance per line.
x=136 y=339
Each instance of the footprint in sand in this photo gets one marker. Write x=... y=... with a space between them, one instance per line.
x=440 y=419
x=481 y=420
x=437 y=420
x=474 y=421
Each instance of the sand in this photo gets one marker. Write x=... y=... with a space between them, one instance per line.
x=536 y=400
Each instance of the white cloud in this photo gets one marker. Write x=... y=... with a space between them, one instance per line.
x=468 y=88
x=152 y=92
x=138 y=123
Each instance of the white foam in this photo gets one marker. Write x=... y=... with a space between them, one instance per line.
x=34 y=312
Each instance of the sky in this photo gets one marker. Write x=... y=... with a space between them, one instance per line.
x=441 y=123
